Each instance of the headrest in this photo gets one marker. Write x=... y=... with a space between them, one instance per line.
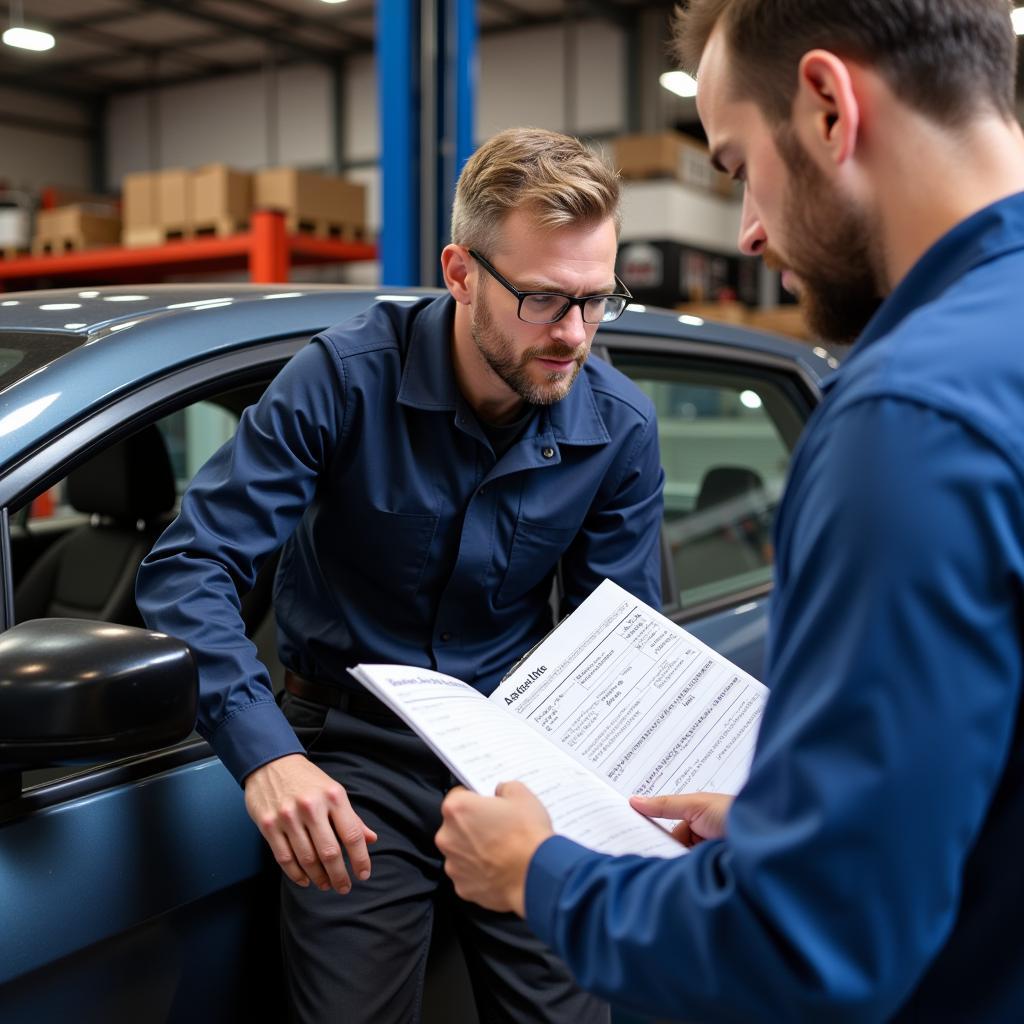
x=128 y=481
x=723 y=483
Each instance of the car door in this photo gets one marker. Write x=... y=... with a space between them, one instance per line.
x=137 y=890
x=728 y=420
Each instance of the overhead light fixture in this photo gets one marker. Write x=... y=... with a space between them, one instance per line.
x=680 y=83
x=1017 y=17
x=333 y=1
x=25 y=38
x=28 y=38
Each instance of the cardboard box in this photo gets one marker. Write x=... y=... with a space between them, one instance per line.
x=74 y=227
x=721 y=312
x=139 y=200
x=174 y=200
x=788 y=320
x=669 y=155
x=221 y=194
x=311 y=200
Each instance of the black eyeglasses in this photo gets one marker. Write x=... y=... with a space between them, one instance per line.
x=550 y=307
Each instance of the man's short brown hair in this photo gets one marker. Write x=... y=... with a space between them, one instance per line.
x=946 y=58
x=554 y=177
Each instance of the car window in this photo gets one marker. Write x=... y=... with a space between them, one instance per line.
x=191 y=435
x=726 y=436
x=70 y=559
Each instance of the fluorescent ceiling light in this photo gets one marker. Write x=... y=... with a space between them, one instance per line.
x=680 y=83
x=333 y=1
x=28 y=38
x=1017 y=17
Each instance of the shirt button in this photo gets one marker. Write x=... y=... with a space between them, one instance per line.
x=548 y=453
x=445 y=637
x=482 y=490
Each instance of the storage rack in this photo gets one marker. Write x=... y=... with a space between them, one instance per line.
x=266 y=250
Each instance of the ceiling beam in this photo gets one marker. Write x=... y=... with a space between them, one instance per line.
x=190 y=9
x=121 y=47
x=46 y=87
x=290 y=19
x=506 y=9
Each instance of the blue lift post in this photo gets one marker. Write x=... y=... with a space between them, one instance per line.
x=426 y=67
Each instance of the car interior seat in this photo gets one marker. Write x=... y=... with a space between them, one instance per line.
x=726 y=535
x=128 y=492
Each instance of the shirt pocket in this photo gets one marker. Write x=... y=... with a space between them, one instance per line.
x=394 y=546
x=532 y=558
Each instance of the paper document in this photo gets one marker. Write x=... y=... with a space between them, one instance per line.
x=616 y=700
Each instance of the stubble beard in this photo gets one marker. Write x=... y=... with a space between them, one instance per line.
x=835 y=249
x=499 y=352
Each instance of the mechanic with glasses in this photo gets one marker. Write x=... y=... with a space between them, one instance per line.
x=426 y=467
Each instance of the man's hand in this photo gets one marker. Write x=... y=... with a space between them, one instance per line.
x=488 y=843
x=700 y=815
x=303 y=813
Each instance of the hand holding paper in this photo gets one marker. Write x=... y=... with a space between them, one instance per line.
x=488 y=843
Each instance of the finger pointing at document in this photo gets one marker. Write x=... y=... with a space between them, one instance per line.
x=700 y=815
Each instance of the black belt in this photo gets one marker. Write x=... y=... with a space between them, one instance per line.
x=355 y=702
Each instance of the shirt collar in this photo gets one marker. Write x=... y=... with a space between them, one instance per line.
x=428 y=380
x=992 y=232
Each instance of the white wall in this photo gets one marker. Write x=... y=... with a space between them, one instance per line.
x=32 y=158
x=225 y=120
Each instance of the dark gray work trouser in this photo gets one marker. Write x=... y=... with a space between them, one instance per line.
x=361 y=958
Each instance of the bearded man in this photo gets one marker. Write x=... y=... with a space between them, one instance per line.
x=426 y=467
x=870 y=868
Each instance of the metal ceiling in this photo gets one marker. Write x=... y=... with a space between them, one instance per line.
x=106 y=47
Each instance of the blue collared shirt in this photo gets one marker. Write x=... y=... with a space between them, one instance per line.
x=407 y=542
x=872 y=866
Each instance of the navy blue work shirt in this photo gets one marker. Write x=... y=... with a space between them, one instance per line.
x=872 y=863
x=407 y=541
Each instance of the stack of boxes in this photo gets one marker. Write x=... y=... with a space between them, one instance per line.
x=74 y=227
x=319 y=204
x=670 y=155
x=663 y=264
x=218 y=200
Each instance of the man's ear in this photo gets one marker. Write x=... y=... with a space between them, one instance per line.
x=457 y=267
x=827 y=108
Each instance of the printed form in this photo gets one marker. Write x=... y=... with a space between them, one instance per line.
x=616 y=700
x=638 y=700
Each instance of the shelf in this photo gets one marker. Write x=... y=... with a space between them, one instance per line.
x=267 y=251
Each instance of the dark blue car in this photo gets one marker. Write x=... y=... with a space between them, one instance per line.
x=133 y=886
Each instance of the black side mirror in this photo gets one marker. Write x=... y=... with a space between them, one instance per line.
x=74 y=691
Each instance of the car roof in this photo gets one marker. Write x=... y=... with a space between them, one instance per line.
x=67 y=350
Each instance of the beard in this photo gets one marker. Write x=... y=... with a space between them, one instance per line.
x=513 y=367
x=836 y=251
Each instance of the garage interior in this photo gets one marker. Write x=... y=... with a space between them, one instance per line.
x=317 y=142
x=149 y=141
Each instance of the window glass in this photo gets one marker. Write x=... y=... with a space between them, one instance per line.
x=71 y=560
x=726 y=437
x=191 y=436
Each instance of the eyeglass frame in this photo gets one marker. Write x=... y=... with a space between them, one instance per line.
x=570 y=300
